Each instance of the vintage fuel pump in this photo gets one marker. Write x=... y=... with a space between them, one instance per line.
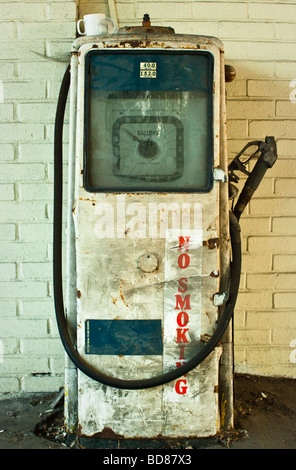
x=153 y=246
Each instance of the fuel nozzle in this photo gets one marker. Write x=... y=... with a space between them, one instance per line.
x=146 y=20
x=267 y=152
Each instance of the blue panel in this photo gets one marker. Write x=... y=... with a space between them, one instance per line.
x=123 y=337
x=175 y=71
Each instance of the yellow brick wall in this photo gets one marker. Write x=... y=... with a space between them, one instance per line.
x=260 y=42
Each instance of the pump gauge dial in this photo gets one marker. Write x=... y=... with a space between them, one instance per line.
x=148 y=148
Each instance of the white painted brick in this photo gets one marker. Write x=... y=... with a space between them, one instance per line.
x=284 y=167
x=21 y=132
x=7 y=271
x=21 y=364
x=238 y=88
x=24 y=91
x=6 y=152
x=237 y=128
x=8 y=31
x=9 y=384
x=47 y=30
x=7 y=70
x=36 y=191
x=248 y=69
x=272 y=281
x=36 y=231
x=36 y=271
x=65 y=11
x=206 y=28
x=10 y=346
x=285 y=187
x=43 y=308
x=254 y=300
x=30 y=328
x=286 y=109
x=42 y=70
x=6 y=112
x=285 y=70
x=24 y=289
x=275 y=206
x=285 y=300
x=21 y=171
x=16 y=251
x=174 y=10
x=7 y=231
x=22 y=49
x=87 y=7
x=285 y=263
x=269 y=88
x=235 y=49
x=284 y=128
x=53 y=87
x=246 y=30
x=59 y=49
x=252 y=337
x=279 y=12
x=253 y=264
x=243 y=109
x=7 y=192
x=23 y=11
x=37 y=112
x=216 y=10
x=284 y=225
x=271 y=50
x=40 y=347
x=50 y=382
x=8 y=308
x=286 y=148
x=36 y=152
x=275 y=244
x=286 y=31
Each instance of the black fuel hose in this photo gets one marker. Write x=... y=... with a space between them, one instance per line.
x=78 y=360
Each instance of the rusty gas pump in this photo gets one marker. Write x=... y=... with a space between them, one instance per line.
x=153 y=241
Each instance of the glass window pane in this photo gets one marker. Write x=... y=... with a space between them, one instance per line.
x=148 y=122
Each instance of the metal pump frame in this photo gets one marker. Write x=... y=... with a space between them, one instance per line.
x=266 y=160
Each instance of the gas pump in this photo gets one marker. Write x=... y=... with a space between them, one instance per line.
x=153 y=243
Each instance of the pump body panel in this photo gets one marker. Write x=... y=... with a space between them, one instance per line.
x=150 y=234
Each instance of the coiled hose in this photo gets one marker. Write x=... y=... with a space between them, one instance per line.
x=79 y=361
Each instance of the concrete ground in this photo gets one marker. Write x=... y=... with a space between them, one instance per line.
x=265 y=412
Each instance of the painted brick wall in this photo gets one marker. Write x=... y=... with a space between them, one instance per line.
x=260 y=41
x=35 y=42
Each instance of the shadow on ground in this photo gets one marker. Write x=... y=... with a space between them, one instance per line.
x=265 y=412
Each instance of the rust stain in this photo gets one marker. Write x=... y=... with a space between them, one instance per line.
x=122 y=298
x=78 y=294
x=134 y=43
x=113 y=300
x=205 y=338
x=214 y=274
x=108 y=433
x=223 y=410
x=212 y=243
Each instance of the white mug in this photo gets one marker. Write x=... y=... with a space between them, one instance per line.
x=95 y=24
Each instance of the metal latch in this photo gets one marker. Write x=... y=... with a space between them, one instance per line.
x=220 y=175
x=220 y=299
